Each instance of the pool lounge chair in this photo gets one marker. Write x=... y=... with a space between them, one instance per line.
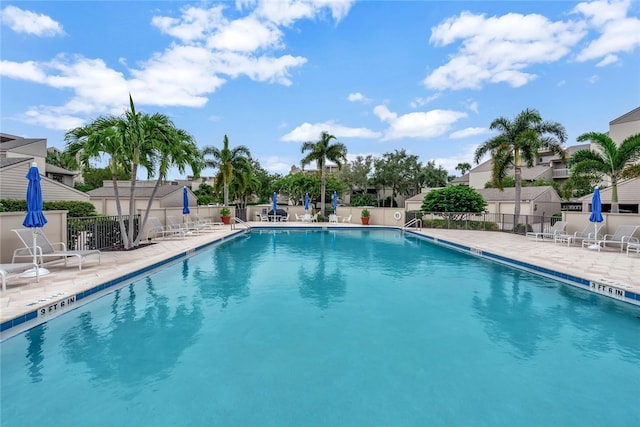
x=45 y=249
x=160 y=230
x=622 y=236
x=556 y=229
x=347 y=218
x=590 y=232
x=187 y=227
x=211 y=225
x=7 y=269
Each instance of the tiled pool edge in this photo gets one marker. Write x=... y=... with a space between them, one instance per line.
x=604 y=287
x=32 y=316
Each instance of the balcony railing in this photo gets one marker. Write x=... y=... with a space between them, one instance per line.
x=560 y=173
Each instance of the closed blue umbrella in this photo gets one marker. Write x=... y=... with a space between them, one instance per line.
x=334 y=201
x=185 y=201
x=306 y=202
x=275 y=205
x=596 y=213
x=35 y=218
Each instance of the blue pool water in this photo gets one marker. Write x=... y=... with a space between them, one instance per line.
x=322 y=328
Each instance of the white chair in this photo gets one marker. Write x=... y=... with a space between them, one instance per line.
x=187 y=228
x=333 y=219
x=557 y=228
x=212 y=225
x=285 y=218
x=622 y=236
x=45 y=249
x=7 y=269
x=347 y=218
x=590 y=232
x=157 y=229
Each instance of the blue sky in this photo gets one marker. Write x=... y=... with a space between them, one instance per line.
x=424 y=76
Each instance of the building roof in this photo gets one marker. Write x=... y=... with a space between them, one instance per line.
x=140 y=192
x=58 y=170
x=464 y=179
x=9 y=142
x=631 y=116
x=9 y=161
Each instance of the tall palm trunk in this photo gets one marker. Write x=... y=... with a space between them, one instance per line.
x=517 y=170
x=225 y=191
x=323 y=187
x=147 y=210
x=132 y=207
x=614 y=195
x=123 y=229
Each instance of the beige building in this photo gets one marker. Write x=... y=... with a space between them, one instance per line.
x=167 y=196
x=16 y=156
x=540 y=201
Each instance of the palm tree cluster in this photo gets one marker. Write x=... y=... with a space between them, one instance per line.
x=608 y=159
x=131 y=141
x=138 y=140
x=518 y=143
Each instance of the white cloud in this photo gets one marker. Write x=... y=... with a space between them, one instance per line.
x=421 y=102
x=427 y=124
x=275 y=164
x=473 y=106
x=609 y=59
x=450 y=163
x=311 y=132
x=499 y=48
x=618 y=32
x=209 y=49
x=27 y=22
x=358 y=97
x=593 y=79
x=465 y=133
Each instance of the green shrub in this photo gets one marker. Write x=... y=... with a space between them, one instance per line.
x=75 y=208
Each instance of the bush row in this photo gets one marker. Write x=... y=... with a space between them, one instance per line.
x=76 y=209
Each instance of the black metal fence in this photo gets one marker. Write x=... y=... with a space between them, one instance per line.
x=97 y=232
x=484 y=221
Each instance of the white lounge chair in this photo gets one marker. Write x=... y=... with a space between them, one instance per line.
x=160 y=230
x=45 y=249
x=7 y=269
x=347 y=218
x=622 y=236
x=187 y=228
x=556 y=229
x=590 y=232
x=212 y=225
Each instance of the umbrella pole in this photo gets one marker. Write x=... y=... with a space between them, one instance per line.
x=37 y=271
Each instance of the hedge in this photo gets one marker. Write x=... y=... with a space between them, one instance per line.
x=76 y=209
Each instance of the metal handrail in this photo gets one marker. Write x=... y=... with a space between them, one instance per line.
x=413 y=221
x=236 y=220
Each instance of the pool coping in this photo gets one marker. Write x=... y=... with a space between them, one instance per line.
x=65 y=303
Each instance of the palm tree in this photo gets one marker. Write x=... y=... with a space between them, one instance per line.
x=91 y=142
x=321 y=151
x=132 y=140
x=463 y=167
x=616 y=162
x=228 y=161
x=520 y=140
x=172 y=148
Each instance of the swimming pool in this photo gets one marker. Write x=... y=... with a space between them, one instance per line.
x=330 y=328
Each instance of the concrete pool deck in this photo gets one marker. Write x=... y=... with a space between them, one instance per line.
x=25 y=296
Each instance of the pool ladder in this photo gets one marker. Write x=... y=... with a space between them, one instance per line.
x=237 y=220
x=414 y=221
